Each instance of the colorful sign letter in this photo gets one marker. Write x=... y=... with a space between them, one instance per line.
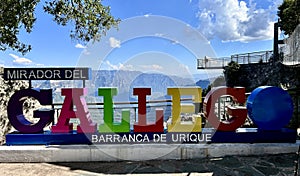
x=239 y=114
x=270 y=108
x=109 y=125
x=75 y=97
x=177 y=108
x=141 y=125
x=15 y=110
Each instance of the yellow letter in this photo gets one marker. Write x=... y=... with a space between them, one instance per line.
x=177 y=108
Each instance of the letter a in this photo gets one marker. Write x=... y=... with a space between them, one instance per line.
x=74 y=97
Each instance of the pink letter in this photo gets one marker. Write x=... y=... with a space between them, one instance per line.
x=75 y=97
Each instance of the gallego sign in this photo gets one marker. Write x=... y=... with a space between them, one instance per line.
x=270 y=108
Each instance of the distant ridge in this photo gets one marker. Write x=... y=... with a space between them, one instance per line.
x=125 y=81
x=203 y=83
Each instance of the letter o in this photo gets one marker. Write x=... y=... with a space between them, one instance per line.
x=270 y=108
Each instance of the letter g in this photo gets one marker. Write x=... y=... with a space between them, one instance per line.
x=15 y=110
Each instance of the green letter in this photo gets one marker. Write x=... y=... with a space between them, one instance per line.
x=109 y=124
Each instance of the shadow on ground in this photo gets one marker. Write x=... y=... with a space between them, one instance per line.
x=248 y=165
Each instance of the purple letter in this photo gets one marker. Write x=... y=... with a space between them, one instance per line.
x=15 y=110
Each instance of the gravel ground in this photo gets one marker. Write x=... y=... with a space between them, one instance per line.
x=234 y=165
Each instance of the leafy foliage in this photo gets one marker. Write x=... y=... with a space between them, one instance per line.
x=7 y=88
x=15 y=14
x=232 y=73
x=206 y=90
x=89 y=17
x=289 y=14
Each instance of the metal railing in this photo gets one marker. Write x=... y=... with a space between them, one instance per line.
x=244 y=58
x=213 y=63
x=220 y=107
x=254 y=57
x=121 y=105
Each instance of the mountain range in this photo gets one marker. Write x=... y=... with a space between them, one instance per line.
x=125 y=81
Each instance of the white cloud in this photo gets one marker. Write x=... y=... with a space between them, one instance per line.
x=174 y=42
x=130 y=67
x=147 y=15
x=184 y=67
x=114 y=43
x=20 y=60
x=111 y=66
x=40 y=65
x=233 y=20
x=78 y=45
x=158 y=34
x=86 y=52
x=152 y=67
x=126 y=67
x=1 y=63
x=119 y=66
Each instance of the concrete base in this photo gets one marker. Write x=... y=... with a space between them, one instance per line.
x=90 y=153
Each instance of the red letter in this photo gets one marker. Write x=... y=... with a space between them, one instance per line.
x=142 y=126
x=239 y=114
x=74 y=96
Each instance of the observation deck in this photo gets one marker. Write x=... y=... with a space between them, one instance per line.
x=244 y=58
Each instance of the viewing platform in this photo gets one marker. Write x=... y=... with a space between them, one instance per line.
x=285 y=51
x=244 y=58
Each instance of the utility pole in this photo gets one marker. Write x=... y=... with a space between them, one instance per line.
x=276 y=42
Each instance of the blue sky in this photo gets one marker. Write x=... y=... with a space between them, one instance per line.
x=155 y=34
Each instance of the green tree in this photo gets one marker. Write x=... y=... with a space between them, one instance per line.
x=231 y=73
x=7 y=88
x=90 y=19
x=289 y=14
